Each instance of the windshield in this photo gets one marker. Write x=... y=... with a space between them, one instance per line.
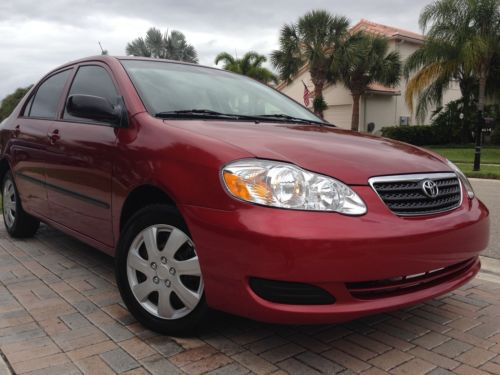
x=169 y=87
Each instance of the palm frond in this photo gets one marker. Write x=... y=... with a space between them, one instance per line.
x=462 y=38
x=164 y=46
x=138 y=47
x=155 y=43
x=250 y=65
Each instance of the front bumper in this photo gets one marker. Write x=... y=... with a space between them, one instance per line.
x=329 y=250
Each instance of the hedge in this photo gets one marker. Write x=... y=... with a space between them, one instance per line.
x=419 y=135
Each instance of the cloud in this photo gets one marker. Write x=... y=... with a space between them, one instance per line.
x=37 y=36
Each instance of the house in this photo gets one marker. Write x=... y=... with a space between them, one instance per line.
x=383 y=106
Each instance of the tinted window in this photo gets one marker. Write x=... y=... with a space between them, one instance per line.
x=171 y=87
x=48 y=95
x=92 y=80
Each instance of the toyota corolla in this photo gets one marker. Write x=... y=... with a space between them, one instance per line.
x=212 y=190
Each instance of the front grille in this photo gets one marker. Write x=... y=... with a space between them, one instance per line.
x=405 y=196
x=290 y=292
x=409 y=283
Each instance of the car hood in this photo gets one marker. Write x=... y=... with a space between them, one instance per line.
x=348 y=156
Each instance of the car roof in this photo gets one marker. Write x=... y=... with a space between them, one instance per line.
x=108 y=58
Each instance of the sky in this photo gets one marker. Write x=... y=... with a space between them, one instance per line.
x=36 y=36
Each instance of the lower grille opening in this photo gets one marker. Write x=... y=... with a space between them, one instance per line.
x=406 y=284
x=290 y=293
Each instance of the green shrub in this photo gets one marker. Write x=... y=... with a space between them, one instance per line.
x=495 y=136
x=417 y=134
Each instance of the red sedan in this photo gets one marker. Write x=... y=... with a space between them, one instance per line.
x=213 y=190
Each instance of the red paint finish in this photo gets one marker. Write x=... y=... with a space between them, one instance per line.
x=236 y=240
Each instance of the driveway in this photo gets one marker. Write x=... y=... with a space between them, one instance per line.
x=489 y=192
x=60 y=313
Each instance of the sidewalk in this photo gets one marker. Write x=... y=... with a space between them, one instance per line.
x=60 y=313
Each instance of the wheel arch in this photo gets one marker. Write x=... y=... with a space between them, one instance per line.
x=140 y=197
x=4 y=168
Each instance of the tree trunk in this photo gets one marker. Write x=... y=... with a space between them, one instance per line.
x=318 y=93
x=355 y=112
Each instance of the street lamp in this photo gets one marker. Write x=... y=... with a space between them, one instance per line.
x=479 y=131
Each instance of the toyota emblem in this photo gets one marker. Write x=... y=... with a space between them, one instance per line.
x=430 y=188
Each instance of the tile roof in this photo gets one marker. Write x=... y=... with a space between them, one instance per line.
x=388 y=31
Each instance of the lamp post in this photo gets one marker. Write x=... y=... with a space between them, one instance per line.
x=462 y=130
x=477 y=151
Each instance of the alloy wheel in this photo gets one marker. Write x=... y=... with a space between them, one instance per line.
x=9 y=203
x=164 y=273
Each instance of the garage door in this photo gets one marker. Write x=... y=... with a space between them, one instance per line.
x=339 y=115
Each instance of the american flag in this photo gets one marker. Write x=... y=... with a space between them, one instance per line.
x=307 y=95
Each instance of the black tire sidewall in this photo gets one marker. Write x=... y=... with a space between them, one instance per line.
x=7 y=177
x=148 y=216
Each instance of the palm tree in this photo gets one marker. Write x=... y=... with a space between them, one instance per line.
x=361 y=60
x=250 y=65
x=311 y=40
x=469 y=33
x=435 y=66
x=171 y=46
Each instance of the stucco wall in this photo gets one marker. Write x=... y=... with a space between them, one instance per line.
x=383 y=110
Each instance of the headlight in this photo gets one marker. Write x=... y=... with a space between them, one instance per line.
x=284 y=185
x=463 y=178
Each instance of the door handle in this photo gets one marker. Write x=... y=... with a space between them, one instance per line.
x=17 y=130
x=54 y=136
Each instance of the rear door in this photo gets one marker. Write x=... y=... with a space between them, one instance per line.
x=81 y=164
x=29 y=144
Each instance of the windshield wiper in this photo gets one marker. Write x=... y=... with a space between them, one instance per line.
x=283 y=116
x=194 y=113
x=208 y=113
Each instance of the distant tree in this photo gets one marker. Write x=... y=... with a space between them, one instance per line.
x=250 y=65
x=361 y=60
x=10 y=101
x=172 y=46
x=311 y=40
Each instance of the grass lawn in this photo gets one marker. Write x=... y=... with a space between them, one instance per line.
x=464 y=158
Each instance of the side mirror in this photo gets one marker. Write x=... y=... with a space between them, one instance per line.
x=96 y=108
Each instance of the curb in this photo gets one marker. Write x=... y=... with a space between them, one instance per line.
x=490 y=265
x=484 y=179
x=490 y=269
x=4 y=368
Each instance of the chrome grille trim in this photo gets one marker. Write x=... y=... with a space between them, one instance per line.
x=416 y=178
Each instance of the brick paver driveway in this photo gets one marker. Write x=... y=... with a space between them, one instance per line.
x=60 y=313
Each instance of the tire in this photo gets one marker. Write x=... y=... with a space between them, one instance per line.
x=18 y=223
x=158 y=273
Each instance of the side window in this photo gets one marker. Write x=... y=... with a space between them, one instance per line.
x=47 y=96
x=92 y=80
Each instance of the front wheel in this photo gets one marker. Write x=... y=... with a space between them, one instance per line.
x=158 y=271
x=17 y=222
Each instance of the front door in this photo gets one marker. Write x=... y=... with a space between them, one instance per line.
x=82 y=157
